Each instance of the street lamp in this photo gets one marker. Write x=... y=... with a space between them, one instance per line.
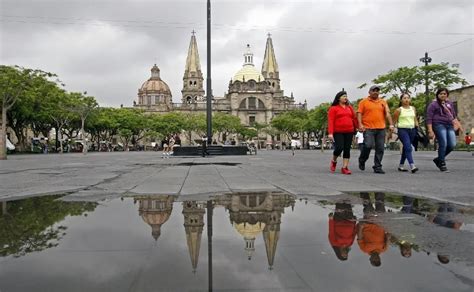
x=426 y=60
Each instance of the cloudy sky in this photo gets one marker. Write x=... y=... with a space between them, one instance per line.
x=107 y=47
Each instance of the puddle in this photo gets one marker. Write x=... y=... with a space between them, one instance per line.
x=212 y=163
x=242 y=241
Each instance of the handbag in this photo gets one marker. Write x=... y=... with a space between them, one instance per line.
x=457 y=125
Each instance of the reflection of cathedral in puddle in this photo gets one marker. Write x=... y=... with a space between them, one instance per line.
x=251 y=214
x=254 y=214
x=155 y=211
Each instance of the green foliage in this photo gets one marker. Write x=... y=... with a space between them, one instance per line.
x=291 y=122
x=30 y=225
x=414 y=79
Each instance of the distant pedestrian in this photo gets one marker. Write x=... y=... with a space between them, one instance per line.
x=342 y=123
x=371 y=115
x=164 y=145
x=407 y=123
x=293 y=144
x=468 y=140
x=439 y=121
x=359 y=136
x=171 y=145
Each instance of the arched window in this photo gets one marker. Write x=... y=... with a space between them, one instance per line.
x=252 y=103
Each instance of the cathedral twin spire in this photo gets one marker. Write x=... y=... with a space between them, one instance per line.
x=193 y=79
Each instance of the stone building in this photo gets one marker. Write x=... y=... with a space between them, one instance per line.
x=463 y=99
x=253 y=95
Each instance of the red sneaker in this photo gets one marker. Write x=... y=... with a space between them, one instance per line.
x=345 y=170
x=333 y=165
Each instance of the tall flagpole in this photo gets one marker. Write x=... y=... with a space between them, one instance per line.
x=208 y=80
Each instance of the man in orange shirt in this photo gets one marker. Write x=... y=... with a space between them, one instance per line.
x=371 y=115
x=372 y=238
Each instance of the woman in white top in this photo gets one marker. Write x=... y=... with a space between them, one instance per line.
x=405 y=118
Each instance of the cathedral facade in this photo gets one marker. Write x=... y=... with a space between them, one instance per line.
x=253 y=95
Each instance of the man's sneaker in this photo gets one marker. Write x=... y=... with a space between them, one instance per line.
x=333 y=165
x=361 y=165
x=345 y=170
x=414 y=169
x=402 y=169
x=379 y=170
x=442 y=166
x=437 y=162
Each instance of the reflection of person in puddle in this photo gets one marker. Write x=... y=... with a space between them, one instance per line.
x=410 y=206
x=447 y=216
x=372 y=238
x=342 y=230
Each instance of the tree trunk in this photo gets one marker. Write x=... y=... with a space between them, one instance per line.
x=60 y=136
x=84 y=147
x=4 y=208
x=3 y=134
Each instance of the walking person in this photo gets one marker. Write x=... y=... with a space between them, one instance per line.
x=439 y=121
x=164 y=145
x=359 y=136
x=293 y=144
x=371 y=115
x=407 y=123
x=342 y=124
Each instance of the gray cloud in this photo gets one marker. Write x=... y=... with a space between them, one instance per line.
x=108 y=47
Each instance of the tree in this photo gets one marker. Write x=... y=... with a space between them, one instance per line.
x=14 y=82
x=225 y=124
x=259 y=127
x=319 y=121
x=83 y=106
x=413 y=79
x=30 y=225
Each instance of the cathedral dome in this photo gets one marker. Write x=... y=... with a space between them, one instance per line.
x=155 y=84
x=248 y=72
x=248 y=230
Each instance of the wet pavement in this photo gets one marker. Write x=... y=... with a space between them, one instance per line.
x=240 y=241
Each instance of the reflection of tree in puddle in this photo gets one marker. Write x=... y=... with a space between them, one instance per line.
x=29 y=225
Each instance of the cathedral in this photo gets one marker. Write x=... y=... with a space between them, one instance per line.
x=253 y=95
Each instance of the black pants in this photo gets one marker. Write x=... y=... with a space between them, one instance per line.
x=342 y=142
x=373 y=138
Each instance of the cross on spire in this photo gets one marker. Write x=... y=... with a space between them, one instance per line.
x=269 y=34
x=193 y=32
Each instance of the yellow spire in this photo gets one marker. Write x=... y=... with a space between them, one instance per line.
x=270 y=66
x=193 y=64
x=271 y=234
x=193 y=225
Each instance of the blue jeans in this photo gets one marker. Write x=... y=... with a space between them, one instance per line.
x=407 y=136
x=446 y=139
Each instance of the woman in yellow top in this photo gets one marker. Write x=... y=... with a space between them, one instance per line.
x=405 y=118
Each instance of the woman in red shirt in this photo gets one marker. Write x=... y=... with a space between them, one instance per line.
x=342 y=123
x=342 y=230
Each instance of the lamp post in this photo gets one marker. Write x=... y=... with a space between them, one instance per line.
x=208 y=79
x=426 y=60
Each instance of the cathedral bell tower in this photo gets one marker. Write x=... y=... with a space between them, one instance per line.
x=270 y=66
x=192 y=80
x=193 y=225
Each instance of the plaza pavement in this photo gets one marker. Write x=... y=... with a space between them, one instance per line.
x=98 y=176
